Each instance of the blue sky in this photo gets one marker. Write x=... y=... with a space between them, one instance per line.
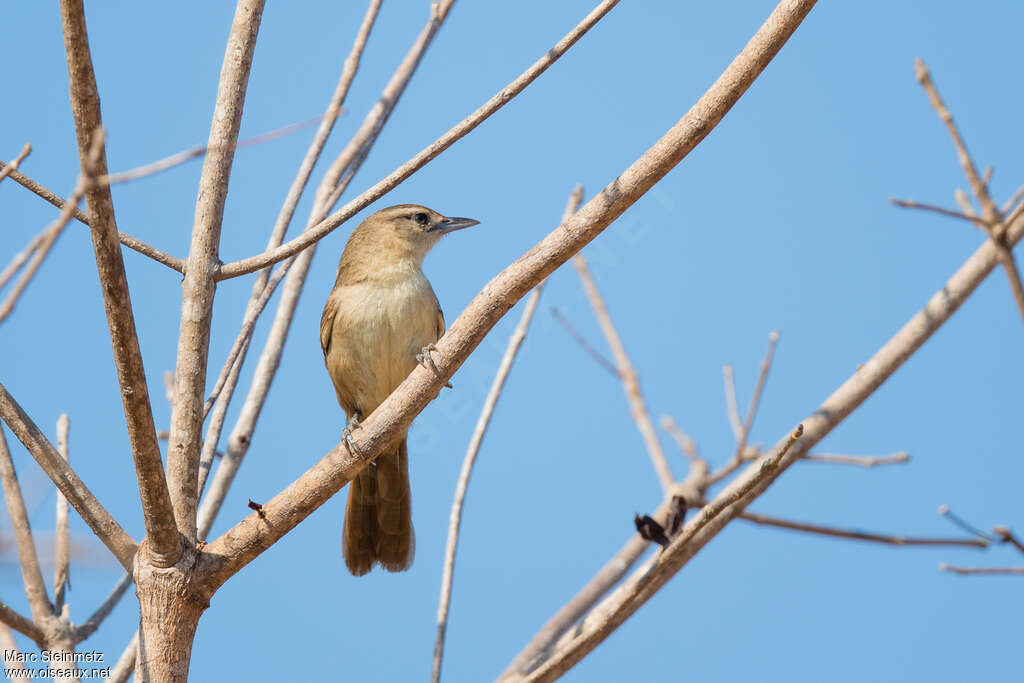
x=779 y=220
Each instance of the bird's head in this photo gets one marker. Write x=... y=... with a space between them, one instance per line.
x=412 y=227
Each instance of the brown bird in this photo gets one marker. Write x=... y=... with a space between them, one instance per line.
x=380 y=320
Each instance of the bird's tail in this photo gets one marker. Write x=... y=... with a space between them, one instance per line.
x=378 y=517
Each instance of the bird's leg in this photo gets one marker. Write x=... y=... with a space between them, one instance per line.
x=346 y=434
x=427 y=360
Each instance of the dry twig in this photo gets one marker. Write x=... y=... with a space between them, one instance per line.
x=861 y=460
x=455 y=521
x=887 y=539
x=62 y=541
x=626 y=372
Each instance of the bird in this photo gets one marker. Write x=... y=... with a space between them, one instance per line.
x=381 y=319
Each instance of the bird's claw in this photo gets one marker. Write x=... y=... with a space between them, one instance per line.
x=346 y=436
x=425 y=359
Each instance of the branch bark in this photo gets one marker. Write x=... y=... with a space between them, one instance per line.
x=199 y=286
x=85 y=105
x=62 y=540
x=254 y=534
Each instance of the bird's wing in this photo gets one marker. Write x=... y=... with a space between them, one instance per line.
x=327 y=323
x=440 y=320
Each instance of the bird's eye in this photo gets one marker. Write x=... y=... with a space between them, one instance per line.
x=421 y=218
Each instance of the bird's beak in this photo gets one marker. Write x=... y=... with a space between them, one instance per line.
x=451 y=224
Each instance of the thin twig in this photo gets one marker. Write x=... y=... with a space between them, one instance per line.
x=62 y=538
x=732 y=408
x=989 y=211
x=32 y=576
x=626 y=372
x=686 y=444
x=1011 y=202
x=89 y=509
x=963 y=524
x=583 y=343
x=200 y=150
x=455 y=519
x=161 y=533
x=861 y=460
x=20 y=258
x=887 y=539
x=908 y=204
x=125 y=665
x=49 y=238
x=743 y=453
x=981 y=570
x=13 y=165
x=503 y=97
x=12 y=661
x=80 y=216
x=1006 y=536
x=86 y=629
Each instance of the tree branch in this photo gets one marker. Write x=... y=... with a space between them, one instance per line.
x=860 y=460
x=62 y=540
x=964 y=571
x=32 y=576
x=626 y=372
x=199 y=286
x=92 y=512
x=254 y=534
x=455 y=520
x=461 y=129
x=621 y=604
x=86 y=629
x=85 y=104
x=767 y=520
x=22 y=624
x=127 y=240
x=13 y=166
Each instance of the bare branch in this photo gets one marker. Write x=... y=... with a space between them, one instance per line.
x=1011 y=203
x=981 y=570
x=455 y=521
x=461 y=129
x=79 y=215
x=8 y=644
x=95 y=515
x=602 y=617
x=198 y=287
x=335 y=179
x=250 y=537
x=625 y=601
x=86 y=629
x=200 y=150
x=630 y=383
x=20 y=258
x=908 y=204
x=32 y=576
x=13 y=166
x=861 y=460
x=583 y=343
x=887 y=539
x=686 y=444
x=156 y=504
x=989 y=211
x=963 y=524
x=62 y=541
x=125 y=665
x=48 y=239
x=731 y=405
x=1006 y=536
x=22 y=624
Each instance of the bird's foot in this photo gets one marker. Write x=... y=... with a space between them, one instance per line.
x=427 y=361
x=346 y=435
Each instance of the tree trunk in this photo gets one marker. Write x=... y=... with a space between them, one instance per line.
x=170 y=604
